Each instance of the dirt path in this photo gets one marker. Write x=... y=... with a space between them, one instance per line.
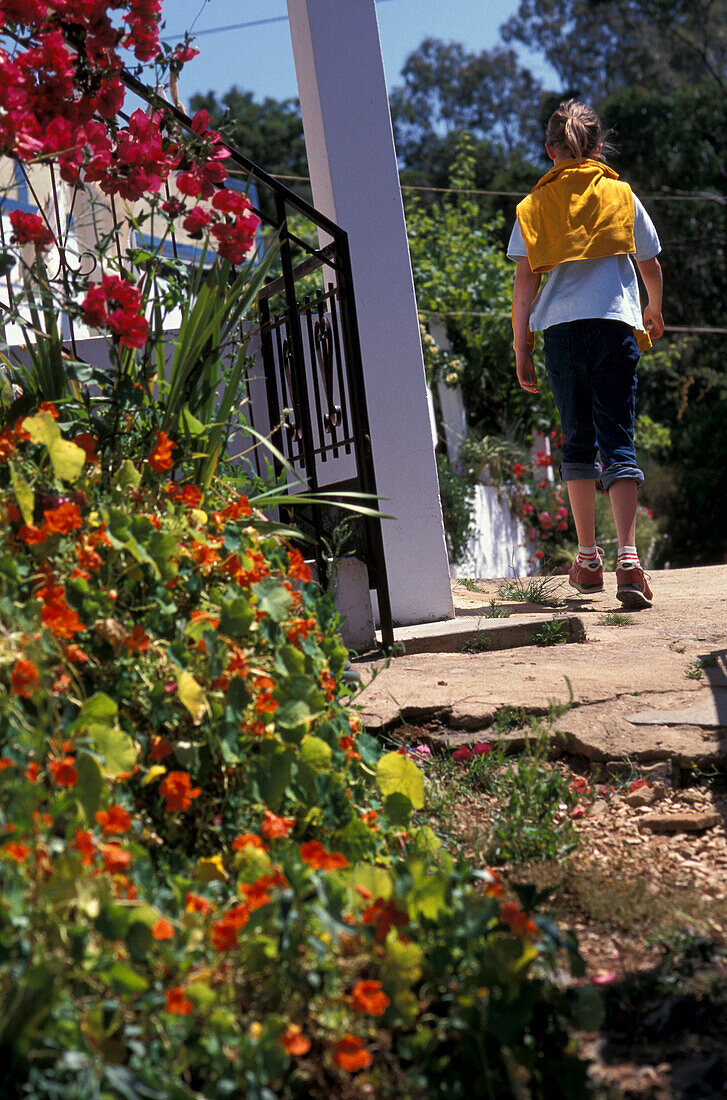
x=646 y=741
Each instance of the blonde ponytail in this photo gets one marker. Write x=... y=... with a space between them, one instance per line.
x=575 y=129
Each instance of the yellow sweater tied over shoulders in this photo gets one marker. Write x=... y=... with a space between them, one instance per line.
x=579 y=210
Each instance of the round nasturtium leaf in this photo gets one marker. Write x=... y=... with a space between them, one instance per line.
x=397 y=774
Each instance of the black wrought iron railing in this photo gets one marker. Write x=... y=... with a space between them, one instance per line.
x=309 y=396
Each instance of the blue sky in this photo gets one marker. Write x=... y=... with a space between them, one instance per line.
x=260 y=59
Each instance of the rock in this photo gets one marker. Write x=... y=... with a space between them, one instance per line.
x=645 y=796
x=678 y=823
x=598 y=807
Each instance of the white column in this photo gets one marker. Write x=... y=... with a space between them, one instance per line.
x=355 y=182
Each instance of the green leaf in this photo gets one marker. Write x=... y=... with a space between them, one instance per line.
x=98 y=721
x=397 y=774
x=126 y=475
x=273 y=599
x=293 y=714
x=89 y=785
x=315 y=752
x=191 y=696
x=236 y=617
x=123 y=979
x=404 y=961
x=398 y=808
x=375 y=879
x=23 y=494
x=67 y=459
x=428 y=895
x=139 y=940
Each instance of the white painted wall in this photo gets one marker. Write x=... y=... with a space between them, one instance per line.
x=500 y=547
x=355 y=182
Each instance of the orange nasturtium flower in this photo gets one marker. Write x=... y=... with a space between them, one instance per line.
x=85 y=846
x=224 y=931
x=294 y=1042
x=33 y=771
x=196 y=904
x=63 y=519
x=60 y=619
x=160 y=748
x=245 y=839
x=163 y=930
x=384 y=915
x=19 y=852
x=178 y=791
x=31 y=534
x=160 y=458
x=114 y=820
x=316 y=855
x=274 y=827
x=297 y=568
x=350 y=1054
x=24 y=678
x=64 y=771
x=177 y=1003
x=518 y=920
x=115 y=858
x=138 y=641
x=369 y=997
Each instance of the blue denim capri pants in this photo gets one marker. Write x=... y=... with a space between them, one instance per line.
x=591 y=365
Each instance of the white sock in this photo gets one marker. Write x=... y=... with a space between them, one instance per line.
x=628 y=557
x=588 y=555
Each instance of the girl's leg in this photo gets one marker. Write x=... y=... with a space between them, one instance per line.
x=624 y=495
x=582 y=496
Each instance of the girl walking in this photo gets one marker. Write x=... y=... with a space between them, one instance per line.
x=581 y=225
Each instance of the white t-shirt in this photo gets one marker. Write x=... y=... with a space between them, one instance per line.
x=606 y=288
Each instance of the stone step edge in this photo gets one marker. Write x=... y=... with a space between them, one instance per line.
x=452 y=635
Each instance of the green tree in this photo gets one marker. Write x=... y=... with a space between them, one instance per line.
x=269 y=132
x=464 y=279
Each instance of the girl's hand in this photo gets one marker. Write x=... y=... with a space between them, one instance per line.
x=526 y=372
x=653 y=322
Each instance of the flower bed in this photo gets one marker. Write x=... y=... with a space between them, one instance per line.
x=213 y=882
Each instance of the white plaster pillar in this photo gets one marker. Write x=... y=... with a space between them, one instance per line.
x=355 y=182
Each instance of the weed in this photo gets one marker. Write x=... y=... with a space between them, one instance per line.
x=494 y=611
x=616 y=618
x=541 y=590
x=552 y=633
x=532 y=822
x=695 y=670
x=479 y=644
x=472 y=586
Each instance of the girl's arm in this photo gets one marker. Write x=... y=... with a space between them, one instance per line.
x=526 y=284
x=650 y=271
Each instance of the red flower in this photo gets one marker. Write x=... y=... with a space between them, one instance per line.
x=297 y=568
x=30 y=229
x=518 y=470
x=64 y=771
x=114 y=820
x=138 y=641
x=294 y=1042
x=24 y=678
x=160 y=458
x=177 y=1003
x=85 y=846
x=224 y=931
x=350 y=1054
x=274 y=827
x=163 y=930
x=315 y=855
x=248 y=839
x=115 y=858
x=18 y=852
x=518 y=920
x=63 y=519
x=196 y=904
x=196 y=221
x=178 y=791
x=369 y=997
x=160 y=749
x=384 y=915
